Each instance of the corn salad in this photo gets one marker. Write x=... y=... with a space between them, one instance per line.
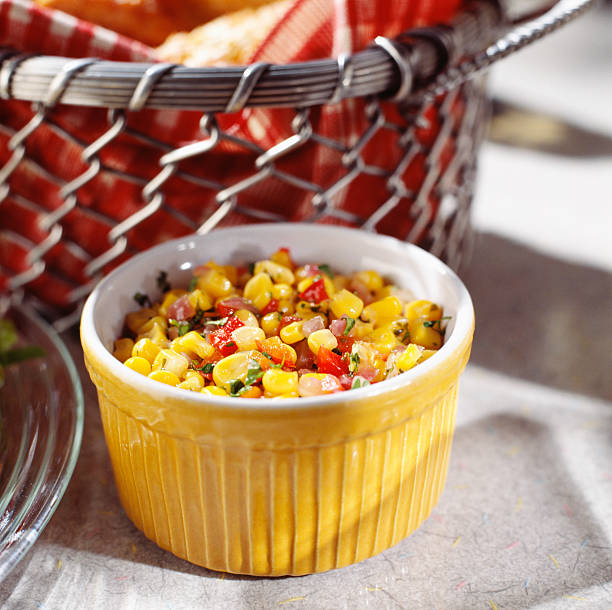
x=273 y=329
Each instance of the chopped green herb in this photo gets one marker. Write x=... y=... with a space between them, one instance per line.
x=162 y=281
x=280 y=365
x=254 y=373
x=183 y=326
x=359 y=383
x=219 y=322
x=205 y=368
x=142 y=299
x=8 y=335
x=350 y=322
x=12 y=355
x=235 y=385
x=195 y=320
x=230 y=344
x=267 y=355
x=252 y=268
x=354 y=361
x=326 y=269
x=432 y=323
x=19 y=354
x=193 y=283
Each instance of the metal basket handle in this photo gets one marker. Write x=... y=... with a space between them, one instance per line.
x=423 y=62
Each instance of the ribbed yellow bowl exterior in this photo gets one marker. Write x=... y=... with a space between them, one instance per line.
x=281 y=491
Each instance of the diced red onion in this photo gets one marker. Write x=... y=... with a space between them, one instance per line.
x=361 y=290
x=237 y=303
x=312 y=325
x=346 y=381
x=368 y=372
x=181 y=309
x=338 y=326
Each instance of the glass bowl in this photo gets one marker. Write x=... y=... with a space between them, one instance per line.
x=41 y=425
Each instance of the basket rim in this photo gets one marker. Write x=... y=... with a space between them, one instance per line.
x=418 y=63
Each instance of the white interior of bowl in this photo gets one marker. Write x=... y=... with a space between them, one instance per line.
x=343 y=249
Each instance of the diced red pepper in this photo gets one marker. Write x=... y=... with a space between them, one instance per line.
x=315 y=293
x=331 y=363
x=271 y=307
x=345 y=344
x=279 y=352
x=222 y=338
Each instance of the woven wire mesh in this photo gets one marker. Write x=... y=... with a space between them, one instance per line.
x=82 y=189
x=58 y=245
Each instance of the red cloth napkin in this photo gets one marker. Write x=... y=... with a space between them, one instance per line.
x=310 y=29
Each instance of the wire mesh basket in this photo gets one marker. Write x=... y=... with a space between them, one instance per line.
x=94 y=168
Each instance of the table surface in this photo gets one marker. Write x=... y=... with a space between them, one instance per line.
x=525 y=520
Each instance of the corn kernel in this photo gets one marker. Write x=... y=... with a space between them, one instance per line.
x=230 y=368
x=169 y=360
x=423 y=335
x=259 y=290
x=282 y=292
x=251 y=392
x=361 y=330
x=169 y=298
x=213 y=390
x=231 y=273
x=200 y=300
x=270 y=323
x=166 y=377
x=123 y=349
x=151 y=322
x=383 y=311
x=282 y=257
x=136 y=319
x=285 y=306
x=401 y=329
x=426 y=354
x=340 y=282
x=422 y=309
x=346 y=303
x=306 y=311
x=409 y=357
x=370 y=279
x=383 y=340
x=385 y=291
x=323 y=337
x=276 y=381
x=214 y=283
x=138 y=364
x=157 y=335
x=246 y=317
x=246 y=337
x=192 y=382
x=145 y=348
x=292 y=333
x=279 y=273
x=194 y=344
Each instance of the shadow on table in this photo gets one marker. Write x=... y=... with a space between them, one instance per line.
x=500 y=533
x=541 y=318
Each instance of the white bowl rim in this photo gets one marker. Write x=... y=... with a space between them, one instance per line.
x=464 y=321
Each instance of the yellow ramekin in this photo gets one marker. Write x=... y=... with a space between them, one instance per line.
x=275 y=487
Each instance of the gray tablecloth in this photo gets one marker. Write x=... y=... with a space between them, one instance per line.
x=526 y=516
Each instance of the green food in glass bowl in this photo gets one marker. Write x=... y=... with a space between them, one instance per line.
x=41 y=410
